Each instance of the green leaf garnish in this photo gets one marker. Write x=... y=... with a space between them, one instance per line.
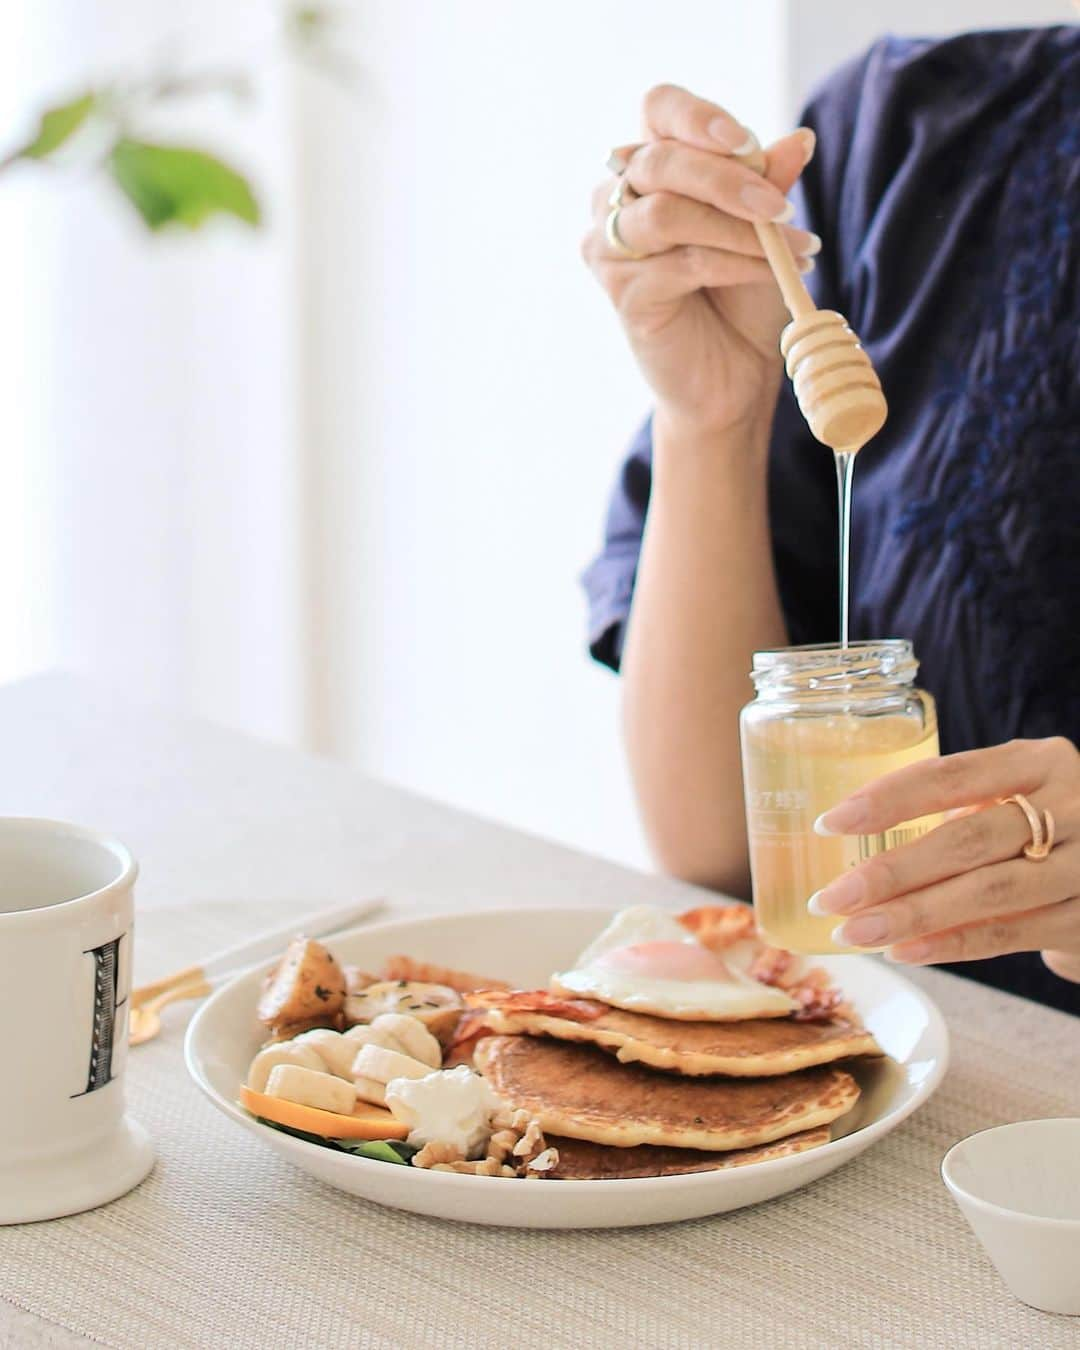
x=297 y=1134
x=382 y=1150
x=171 y=185
x=56 y=126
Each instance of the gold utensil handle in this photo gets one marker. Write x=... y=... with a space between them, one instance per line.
x=145 y=992
x=196 y=989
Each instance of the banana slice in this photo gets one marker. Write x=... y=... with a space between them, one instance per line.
x=400 y=1032
x=370 y=1090
x=310 y=1087
x=287 y=1052
x=335 y=1052
x=375 y=1066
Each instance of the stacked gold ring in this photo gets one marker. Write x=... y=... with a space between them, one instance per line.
x=1042 y=827
x=621 y=194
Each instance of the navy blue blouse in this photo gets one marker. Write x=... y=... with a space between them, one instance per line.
x=946 y=188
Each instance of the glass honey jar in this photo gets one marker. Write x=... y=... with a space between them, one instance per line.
x=824 y=721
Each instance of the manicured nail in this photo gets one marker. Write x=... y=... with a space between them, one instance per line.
x=807 y=264
x=843 y=819
x=840 y=896
x=866 y=930
x=808 y=141
x=616 y=162
x=909 y=953
x=767 y=202
x=808 y=243
x=732 y=136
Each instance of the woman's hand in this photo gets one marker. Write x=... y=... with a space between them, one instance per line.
x=965 y=891
x=701 y=308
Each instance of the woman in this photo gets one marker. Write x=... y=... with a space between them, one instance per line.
x=940 y=187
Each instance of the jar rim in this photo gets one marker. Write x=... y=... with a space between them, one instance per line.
x=810 y=655
x=827 y=667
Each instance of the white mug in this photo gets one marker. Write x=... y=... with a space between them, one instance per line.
x=66 y=910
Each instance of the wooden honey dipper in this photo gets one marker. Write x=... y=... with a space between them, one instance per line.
x=836 y=386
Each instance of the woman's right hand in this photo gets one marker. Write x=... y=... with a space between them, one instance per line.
x=701 y=309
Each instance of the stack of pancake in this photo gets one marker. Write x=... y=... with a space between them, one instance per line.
x=655 y=1055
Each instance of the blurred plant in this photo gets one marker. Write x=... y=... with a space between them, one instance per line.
x=170 y=184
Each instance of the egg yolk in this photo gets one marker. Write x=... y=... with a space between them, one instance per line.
x=666 y=961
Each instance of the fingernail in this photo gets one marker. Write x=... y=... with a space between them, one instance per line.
x=767 y=202
x=616 y=163
x=807 y=264
x=843 y=819
x=840 y=896
x=732 y=136
x=751 y=143
x=909 y=953
x=866 y=930
x=808 y=141
x=807 y=243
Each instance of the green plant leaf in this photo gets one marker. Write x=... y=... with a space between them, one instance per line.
x=169 y=184
x=58 y=125
x=382 y=1150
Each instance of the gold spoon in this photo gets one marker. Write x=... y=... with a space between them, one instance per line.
x=145 y=1020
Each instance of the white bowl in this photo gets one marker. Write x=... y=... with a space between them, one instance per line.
x=525 y=946
x=1018 y=1186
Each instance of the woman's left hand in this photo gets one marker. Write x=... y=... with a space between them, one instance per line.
x=965 y=891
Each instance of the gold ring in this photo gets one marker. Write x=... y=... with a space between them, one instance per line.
x=1042 y=829
x=615 y=239
x=619 y=159
x=622 y=193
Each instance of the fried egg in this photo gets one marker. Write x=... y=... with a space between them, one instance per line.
x=646 y=961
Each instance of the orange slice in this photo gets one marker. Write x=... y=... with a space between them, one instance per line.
x=366 y=1122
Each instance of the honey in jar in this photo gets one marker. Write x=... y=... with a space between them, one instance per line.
x=825 y=721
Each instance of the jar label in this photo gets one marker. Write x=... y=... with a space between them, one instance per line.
x=858 y=848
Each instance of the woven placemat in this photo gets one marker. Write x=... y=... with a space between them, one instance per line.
x=225 y=1245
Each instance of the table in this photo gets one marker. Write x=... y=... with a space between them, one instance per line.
x=233 y=835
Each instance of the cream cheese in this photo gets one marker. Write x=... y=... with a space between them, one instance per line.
x=449 y=1106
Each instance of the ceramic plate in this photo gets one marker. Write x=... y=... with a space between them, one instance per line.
x=525 y=946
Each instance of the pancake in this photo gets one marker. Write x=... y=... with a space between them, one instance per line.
x=582 y=1161
x=584 y=1093
x=754 y=1049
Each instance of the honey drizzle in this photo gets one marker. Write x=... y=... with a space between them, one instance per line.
x=845 y=469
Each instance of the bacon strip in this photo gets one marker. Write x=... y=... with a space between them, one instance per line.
x=405 y=968
x=771 y=965
x=471 y=1025
x=535 y=1000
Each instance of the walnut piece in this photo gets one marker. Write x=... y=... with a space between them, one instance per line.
x=437 y=1155
x=516 y=1149
x=519 y=1141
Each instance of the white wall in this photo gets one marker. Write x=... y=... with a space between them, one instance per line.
x=473 y=393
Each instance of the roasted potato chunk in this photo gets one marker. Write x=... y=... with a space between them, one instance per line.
x=307 y=985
